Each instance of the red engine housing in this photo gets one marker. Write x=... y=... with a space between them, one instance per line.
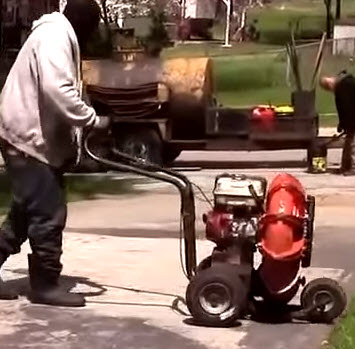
x=218 y=225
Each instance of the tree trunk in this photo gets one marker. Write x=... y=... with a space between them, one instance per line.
x=338 y=10
x=328 y=6
x=104 y=11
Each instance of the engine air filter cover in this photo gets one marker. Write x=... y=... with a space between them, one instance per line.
x=233 y=190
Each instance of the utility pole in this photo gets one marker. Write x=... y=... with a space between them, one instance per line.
x=228 y=3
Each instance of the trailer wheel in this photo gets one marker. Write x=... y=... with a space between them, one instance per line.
x=170 y=154
x=144 y=144
x=217 y=296
x=101 y=146
x=328 y=298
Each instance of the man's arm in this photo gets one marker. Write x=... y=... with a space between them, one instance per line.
x=56 y=68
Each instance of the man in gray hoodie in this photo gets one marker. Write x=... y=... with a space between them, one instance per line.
x=40 y=110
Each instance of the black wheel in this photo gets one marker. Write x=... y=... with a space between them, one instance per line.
x=204 y=264
x=328 y=298
x=170 y=154
x=217 y=296
x=307 y=257
x=100 y=145
x=144 y=144
x=88 y=165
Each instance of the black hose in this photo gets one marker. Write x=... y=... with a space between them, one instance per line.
x=187 y=230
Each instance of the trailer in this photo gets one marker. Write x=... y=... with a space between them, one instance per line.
x=160 y=109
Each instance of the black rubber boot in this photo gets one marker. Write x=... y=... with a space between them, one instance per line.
x=6 y=293
x=45 y=290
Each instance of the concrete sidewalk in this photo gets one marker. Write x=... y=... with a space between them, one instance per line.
x=123 y=254
x=135 y=290
x=130 y=283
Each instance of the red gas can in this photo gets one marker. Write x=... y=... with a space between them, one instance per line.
x=263 y=118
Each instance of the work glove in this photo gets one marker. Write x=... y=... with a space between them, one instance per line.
x=102 y=123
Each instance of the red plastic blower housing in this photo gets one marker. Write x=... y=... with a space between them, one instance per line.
x=281 y=238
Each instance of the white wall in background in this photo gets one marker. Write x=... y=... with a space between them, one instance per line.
x=344 y=40
x=201 y=9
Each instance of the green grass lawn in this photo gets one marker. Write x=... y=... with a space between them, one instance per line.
x=215 y=49
x=307 y=17
x=279 y=96
x=252 y=79
x=255 y=73
x=343 y=335
x=261 y=79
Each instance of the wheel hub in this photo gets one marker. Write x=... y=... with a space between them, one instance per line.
x=324 y=301
x=138 y=150
x=215 y=298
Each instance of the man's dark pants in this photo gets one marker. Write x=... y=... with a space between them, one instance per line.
x=38 y=211
x=348 y=157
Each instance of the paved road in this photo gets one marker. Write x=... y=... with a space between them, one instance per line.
x=125 y=250
x=248 y=160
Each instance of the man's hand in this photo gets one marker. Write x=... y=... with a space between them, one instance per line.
x=340 y=129
x=102 y=123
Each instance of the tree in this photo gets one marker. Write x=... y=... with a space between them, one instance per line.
x=329 y=18
x=239 y=14
x=104 y=12
x=338 y=10
x=158 y=36
x=113 y=9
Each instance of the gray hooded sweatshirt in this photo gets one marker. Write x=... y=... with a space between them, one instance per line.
x=40 y=104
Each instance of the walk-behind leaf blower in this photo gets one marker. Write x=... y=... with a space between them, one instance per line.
x=247 y=220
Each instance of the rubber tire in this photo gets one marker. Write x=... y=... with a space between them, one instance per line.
x=170 y=154
x=88 y=165
x=99 y=146
x=144 y=136
x=227 y=275
x=204 y=264
x=331 y=286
